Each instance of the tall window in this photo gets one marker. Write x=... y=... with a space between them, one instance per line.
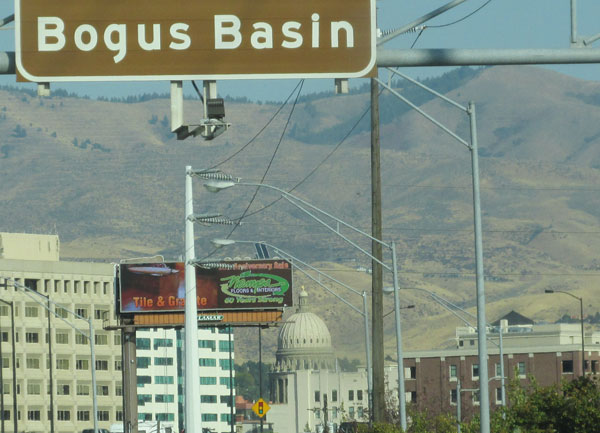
x=143 y=361
x=31 y=362
x=207 y=344
x=82 y=312
x=226 y=381
x=206 y=398
x=101 y=364
x=142 y=343
x=453 y=371
x=83 y=415
x=31 y=311
x=34 y=415
x=102 y=389
x=475 y=371
x=103 y=415
x=101 y=339
x=521 y=368
x=62 y=364
x=170 y=398
x=225 y=364
x=63 y=415
x=224 y=346
x=32 y=337
x=83 y=389
x=208 y=381
x=82 y=364
x=62 y=338
x=63 y=389
x=567 y=366
x=34 y=389
x=163 y=361
x=163 y=380
x=162 y=342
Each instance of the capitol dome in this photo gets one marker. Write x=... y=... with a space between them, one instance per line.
x=304 y=341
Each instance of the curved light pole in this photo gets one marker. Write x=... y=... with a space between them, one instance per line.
x=582 y=327
x=364 y=312
x=484 y=406
x=216 y=182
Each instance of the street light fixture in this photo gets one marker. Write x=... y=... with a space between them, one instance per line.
x=218 y=185
x=192 y=418
x=582 y=326
x=365 y=312
x=484 y=407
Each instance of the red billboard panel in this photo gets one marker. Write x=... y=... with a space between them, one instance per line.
x=231 y=285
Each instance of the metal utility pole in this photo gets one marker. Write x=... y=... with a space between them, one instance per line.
x=1 y=384
x=51 y=369
x=376 y=248
x=192 y=384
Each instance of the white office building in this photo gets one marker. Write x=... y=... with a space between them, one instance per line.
x=161 y=377
x=87 y=289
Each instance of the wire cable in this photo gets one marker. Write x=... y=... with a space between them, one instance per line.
x=260 y=131
x=463 y=18
x=318 y=166
x=238 y=221
x=287 y=123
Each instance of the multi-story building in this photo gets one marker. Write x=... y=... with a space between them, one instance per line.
x=82 y=288
x=87 y=289
x=305 y=376
x=160 y=378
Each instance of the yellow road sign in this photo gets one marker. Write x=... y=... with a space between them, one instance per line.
x=261 y=407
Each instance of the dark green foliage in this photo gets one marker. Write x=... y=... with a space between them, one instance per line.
x=572 y=407
x=247 y=380
x=165 y=122
x=346 y=364
x=19 y=132
x=153 y=120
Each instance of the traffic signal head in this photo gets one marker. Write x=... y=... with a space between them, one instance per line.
x=261 y=408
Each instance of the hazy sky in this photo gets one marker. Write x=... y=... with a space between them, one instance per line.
x=499 y=24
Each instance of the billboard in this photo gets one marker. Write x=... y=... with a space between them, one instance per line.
x=232 y=285
x=104 y=40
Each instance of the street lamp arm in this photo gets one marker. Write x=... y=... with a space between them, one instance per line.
x=328 y=289
x=364 y=313
x=293 y=198
x=29 y=292
x=424 y=114
x=566 y=293
x=337 y=232
x=427 y=89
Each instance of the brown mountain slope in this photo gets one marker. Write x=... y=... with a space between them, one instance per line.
x=108 y=177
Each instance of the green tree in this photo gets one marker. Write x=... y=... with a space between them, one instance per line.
x=571 y=407
x=247 y=380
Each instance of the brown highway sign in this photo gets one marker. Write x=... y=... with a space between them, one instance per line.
x=120 y=40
